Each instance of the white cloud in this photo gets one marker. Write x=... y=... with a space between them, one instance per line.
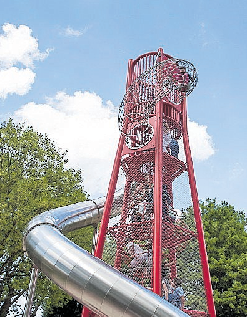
x=85 y=126
x=69 y=31
x=88 y=128
x=18 y=52
x=15 y=80
x=201 y=143
x=17 y=45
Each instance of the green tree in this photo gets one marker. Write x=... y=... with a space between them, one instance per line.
x=72 y=308
x=226 y=240
x=189 y=264
x=33 y=178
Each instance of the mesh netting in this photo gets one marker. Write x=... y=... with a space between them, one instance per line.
x=130 y=235
x=129 y=242
x=170 y=79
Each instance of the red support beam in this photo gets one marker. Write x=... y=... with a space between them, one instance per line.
x=166 y=169
x=112 y=187
x=113 y=181
x=197 y=214
x=157 y=243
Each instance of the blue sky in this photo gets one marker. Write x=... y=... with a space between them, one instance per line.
x=84 y=46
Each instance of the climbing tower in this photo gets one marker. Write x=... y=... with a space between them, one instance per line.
x=153 y=233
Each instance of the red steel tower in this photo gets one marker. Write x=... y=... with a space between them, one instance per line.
x=154 y=232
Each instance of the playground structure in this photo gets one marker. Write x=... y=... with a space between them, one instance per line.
x=152 y=233
x=89 y=280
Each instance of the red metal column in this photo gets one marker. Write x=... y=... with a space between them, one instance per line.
x=113 y=181
x=157 y=242
x=197 y=213
x=110 y=195
x=109 y=199
x=107 y=209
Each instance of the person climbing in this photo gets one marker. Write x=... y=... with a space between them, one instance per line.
x=174 y=147
x=168 y=289
x=141 y=257
x=183 y=80
x=166 y=138
x=177 y=297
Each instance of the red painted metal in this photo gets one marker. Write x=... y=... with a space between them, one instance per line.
x=85 y=312
x=157 y=239
x=197 y=213
x=109 y=200
x=110 y=195
x=157 y=242
x=151 y=169
x=113 y=182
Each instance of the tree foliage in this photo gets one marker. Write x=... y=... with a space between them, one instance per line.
x=33 y=178
x=226 y=241
x=189 y=266
x=72 y=308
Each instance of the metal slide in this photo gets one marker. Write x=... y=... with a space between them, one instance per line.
x=89 y=280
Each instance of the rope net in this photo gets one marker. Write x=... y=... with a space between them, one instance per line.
x=129 y=241
x=130 y=236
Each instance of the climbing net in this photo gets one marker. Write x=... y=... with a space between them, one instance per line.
x=129 y=240
x=130 y=236
x=171 y=80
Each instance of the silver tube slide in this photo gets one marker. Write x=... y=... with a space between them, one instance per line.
x=92 y=282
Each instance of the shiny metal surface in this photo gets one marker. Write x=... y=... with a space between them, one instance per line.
x=88 y=279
